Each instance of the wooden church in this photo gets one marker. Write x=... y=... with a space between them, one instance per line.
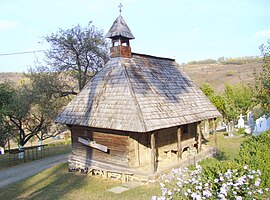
x=134 y=112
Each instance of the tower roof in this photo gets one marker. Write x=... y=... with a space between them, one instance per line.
x=120 y=28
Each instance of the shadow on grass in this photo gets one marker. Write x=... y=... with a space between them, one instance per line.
x=57 y=183
x=61 y=183
x=53 y=183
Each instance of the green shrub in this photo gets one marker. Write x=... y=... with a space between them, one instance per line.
x=254 y=152
x=240 y=131
x=229 y=73
x=212 y=167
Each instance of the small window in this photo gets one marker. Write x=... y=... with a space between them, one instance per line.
x=115 y=43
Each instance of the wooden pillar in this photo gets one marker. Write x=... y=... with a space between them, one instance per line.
x=206 y=128
x=153 y=153
x=137 y=149
x=179 y=143
x=199 y=137
x=215 y=132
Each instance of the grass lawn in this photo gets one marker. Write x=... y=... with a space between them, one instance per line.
x=58 y=183
x=228 y=147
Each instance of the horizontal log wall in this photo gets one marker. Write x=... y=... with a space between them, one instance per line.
x=116 y=142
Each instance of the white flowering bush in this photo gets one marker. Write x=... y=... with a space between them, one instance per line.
x=236 y=184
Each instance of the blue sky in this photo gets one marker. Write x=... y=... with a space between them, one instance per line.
x=182 y=29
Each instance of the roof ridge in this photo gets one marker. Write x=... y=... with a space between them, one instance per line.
x=135 y=101
x=150 y=56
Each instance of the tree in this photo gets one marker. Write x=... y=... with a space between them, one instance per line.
x=48 y=101
x=6 y=96
x=217 y=99
x=55 y=84
x=238 y=99
x=235 y=99
x=262 y=79
x=78 y=51
x=30 y=112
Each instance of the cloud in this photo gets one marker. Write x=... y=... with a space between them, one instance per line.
x=264 y=33
x=8 y=24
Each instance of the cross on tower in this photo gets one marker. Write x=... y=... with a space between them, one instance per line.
x=120 y=8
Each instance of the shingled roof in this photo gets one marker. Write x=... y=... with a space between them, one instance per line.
x=119 y=28
x=139 y=94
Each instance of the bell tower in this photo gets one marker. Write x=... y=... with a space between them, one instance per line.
x=120 y=35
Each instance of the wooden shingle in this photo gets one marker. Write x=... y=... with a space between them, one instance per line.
x=138 y=94
x=119 y=28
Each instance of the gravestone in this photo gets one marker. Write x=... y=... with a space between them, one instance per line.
x=268 y=123
x=264 y=123
x=241 y=122
x=261 y=124
x=250 y=119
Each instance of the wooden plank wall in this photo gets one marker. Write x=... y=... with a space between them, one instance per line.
x=192 y=129
x=167 y=138
x=116 y=142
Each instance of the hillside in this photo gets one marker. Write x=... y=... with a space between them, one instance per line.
x=219 y=74
x=10 y=77
x=214 y=74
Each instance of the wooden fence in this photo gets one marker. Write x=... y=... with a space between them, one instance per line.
x=26 y=154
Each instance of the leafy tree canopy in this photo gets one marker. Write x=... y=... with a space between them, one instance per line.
x=79 y=51
x=263 y=79
x=29 y=113
x=6 y=96
x=235 y=99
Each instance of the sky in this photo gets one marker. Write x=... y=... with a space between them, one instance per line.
x=185 y=30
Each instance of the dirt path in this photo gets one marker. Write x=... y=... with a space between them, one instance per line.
x=20 y=172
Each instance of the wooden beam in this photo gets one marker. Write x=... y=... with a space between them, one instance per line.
x=153 y=153
x=179 y=143
x=135 y=139
x=215 y=132
x=199 y=136
x=93 y=144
